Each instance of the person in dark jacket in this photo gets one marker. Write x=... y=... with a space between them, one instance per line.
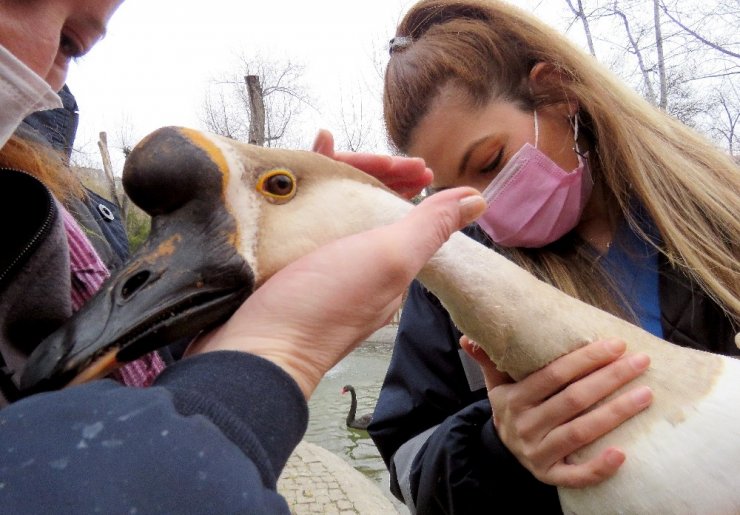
x=97 y=214
x=101 y=219
x=592 y=190
x=49 y=135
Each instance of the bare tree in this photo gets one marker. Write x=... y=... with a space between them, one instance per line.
x=83 y=156
x=580 y=14
x=721 y=47
x=672 y=51
x=635 y=35
x=221 y=115
x=360 y=119
x=228 y=109
x=660 y=57
x=256 y=110
x=727 y=116
x=356 y=131
x=125 y=136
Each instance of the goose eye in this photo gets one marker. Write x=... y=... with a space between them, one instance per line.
x=277 y=185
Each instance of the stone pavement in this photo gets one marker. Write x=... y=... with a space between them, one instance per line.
x=316 y=481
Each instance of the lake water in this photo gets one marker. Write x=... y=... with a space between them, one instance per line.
x=364 y=369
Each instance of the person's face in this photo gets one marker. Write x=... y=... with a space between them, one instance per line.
x=47 y=34
x=468 y=146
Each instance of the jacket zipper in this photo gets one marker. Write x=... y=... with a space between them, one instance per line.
x=45 y=225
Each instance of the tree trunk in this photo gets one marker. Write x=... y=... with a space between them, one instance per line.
x=580 y=14
x=108 y=169
x=650 y=92
x=256 y=111
x=663 y=100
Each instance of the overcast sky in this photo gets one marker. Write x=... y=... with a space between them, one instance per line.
x=154 y=65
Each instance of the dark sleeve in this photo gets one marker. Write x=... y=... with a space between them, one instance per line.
x=211 y=436
x=690 y=317
x=460 y=464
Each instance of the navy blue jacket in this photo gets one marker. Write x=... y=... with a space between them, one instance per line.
x=58 y=128
x=460 y=464
x=211 y=436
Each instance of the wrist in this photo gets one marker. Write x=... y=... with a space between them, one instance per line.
x=306 y=374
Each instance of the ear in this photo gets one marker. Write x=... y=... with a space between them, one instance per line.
x=547 y=81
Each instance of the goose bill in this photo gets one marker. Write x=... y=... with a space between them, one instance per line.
x=171 y=289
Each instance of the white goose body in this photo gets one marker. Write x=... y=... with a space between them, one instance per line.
x=683 y=453
x=220 y=230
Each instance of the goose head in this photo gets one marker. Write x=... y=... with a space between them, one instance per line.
x=225 y=217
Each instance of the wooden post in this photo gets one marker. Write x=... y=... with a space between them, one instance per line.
x=108 y=169
x=256 y=111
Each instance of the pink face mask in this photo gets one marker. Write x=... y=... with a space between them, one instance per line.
x=532 y=201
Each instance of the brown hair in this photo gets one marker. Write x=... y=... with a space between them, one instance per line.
x=688 y=187
x=44 y=163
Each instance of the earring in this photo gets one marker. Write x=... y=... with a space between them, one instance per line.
x=574 y=123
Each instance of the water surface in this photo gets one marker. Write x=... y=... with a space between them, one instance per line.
x=364 y=369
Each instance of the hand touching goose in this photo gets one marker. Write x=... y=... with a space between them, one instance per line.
x=306 y=339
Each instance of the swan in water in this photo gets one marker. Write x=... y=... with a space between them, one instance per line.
x=355 y=423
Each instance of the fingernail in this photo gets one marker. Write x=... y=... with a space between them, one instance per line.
x=471 y=207
x=639 y=361
x=642 y=396
x=615 y=347
x=614 y=457
x=319 y=143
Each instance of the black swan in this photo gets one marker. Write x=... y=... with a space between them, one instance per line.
x=356 y=423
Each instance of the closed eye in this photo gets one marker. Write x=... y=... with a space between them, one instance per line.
x=69 y=47
x=490 y=167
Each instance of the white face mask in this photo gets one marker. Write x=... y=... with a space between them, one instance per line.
x=22 y=92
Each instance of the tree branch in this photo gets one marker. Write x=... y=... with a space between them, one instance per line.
x=695 y=34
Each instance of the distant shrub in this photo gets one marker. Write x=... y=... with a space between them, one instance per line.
x=138 y=225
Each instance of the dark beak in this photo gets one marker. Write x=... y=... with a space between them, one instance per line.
x=187 y=277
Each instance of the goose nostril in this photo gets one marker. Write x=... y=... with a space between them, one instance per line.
x=132 y=285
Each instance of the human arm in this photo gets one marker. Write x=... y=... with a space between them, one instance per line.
x=314 y=311
x=241 y=382
x=426 y=386
x=405 y=175
x=461 y=465
x=203 y=439
x=553 y=412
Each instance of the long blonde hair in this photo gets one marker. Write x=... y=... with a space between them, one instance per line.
x=689 y=188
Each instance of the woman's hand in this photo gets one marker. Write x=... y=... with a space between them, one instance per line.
x=404 y=175
x=313 y=312
x=550 y=414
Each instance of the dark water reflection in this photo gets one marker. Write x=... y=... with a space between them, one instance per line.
x=364 y=369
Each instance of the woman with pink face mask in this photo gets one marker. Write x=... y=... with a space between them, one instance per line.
x=592 y=190
x=202 y=438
